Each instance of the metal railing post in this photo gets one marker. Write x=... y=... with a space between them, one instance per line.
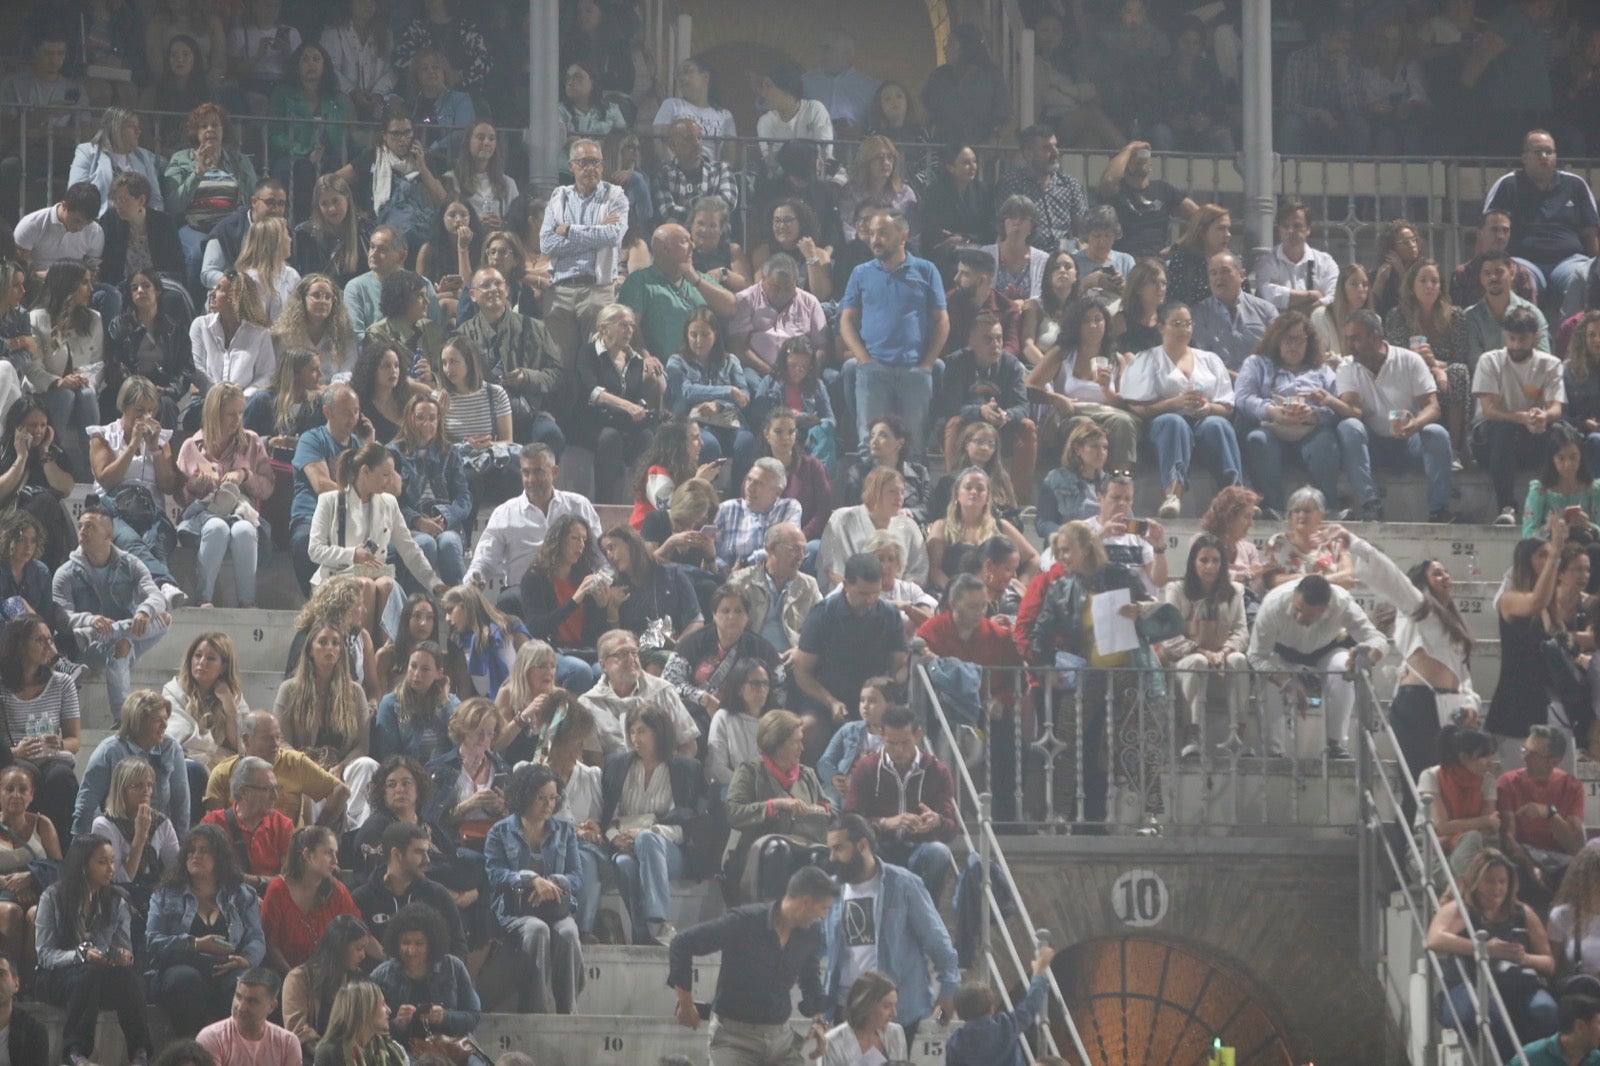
x=985 y=856
x=1480 y=954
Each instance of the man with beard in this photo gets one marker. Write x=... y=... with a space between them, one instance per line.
x=1144 y=205
x=974 y=295
x=1520 y=394
x=1482 y=322
x=884 y=920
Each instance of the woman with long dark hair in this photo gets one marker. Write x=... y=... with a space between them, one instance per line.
x=82 y=936
x=434 y=497
x=1566 y=486
x=486 y=635
x=888 y=447
x=792 y=228
x=1208 y=233
x=383 y=386
x=1212 y=644
x=967 y=97
x=452 y=252
x=181 y=84
x=703 y=660
x=1137 y=325
x=360 y=45
x=1076 y=377
x=300 y=903
x=479 y=176
x=310 y=988
x=204 y=930
x=35 y=477
x=712 y=391
x=411 y=718
x=318 y=143
x=420 y=620
x=149 y=340
x=39 y=708
x=660 y=595
x=71 y=349
x=672 y=458
x=806 y=477
x=291 y=407
x=650 y=794
x=1522 y=692
x=583 y=109
x=1423 y=319
x=743 y=696
x=566 y=593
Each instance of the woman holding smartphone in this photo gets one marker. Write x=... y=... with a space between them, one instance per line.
x=1566 y=486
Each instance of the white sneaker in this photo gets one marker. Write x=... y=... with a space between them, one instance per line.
x=176 y=597
x=1191 y=750
x=1506 y=517
x=1171 y=507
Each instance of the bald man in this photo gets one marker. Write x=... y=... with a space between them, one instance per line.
x=664 y=294
x=1230 y=321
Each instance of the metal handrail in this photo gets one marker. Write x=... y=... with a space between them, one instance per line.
x=988 y=845
x=1432 y=861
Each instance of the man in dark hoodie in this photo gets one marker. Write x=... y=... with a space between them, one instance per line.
x=405 y=880
x=908 y=797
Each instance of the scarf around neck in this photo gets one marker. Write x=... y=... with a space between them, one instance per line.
x=786 y=778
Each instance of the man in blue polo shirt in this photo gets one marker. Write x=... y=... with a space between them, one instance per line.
x=893 y=321
x=1555 y=227
x=316 y=470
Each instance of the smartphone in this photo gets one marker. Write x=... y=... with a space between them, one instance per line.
x=1573 y=514
x=709 y=531
x=1138 y=526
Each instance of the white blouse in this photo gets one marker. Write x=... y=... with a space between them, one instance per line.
x=275 y=297
x=82 y=353
x=644 y=800
x=358 y=64
x=1379 y=573
x=1153 y=376
x=847 y=533
x=1067 y=383
x=141 y=468
x=248 y=361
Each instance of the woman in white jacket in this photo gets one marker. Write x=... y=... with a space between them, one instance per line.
x=113 y=149
x=1214 y=638
x=353 y=529
x=70 y=341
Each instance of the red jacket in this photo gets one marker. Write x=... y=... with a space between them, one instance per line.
x=990 y=645
x=875 y=794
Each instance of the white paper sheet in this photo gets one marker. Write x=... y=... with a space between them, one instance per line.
x=1112 y=632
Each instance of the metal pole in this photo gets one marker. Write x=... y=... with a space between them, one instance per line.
x=1025 y=57
x=1480 y=956
x=1367 y=813
x=1258 y=161
x=985 y=852
x=544 y=41
x=684 y=45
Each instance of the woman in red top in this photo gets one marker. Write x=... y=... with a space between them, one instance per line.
x=565 y=591
x=672 y=458
x=300 y=904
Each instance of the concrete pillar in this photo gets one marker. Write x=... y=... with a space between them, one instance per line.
x=544 y=61
x=1258 y=163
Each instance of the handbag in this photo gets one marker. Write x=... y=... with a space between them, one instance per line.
x=1565 y=681
x=136 y=505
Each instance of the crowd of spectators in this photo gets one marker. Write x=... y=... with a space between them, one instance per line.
x=373 y=346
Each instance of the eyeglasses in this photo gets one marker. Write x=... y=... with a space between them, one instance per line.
x=588 y=161
x=399 y=133
x=758 y=683
x=623 y=654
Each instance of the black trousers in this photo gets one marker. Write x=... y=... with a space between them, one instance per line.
x=193 y=1000
x=1414 y=716
x=83 y=990
x=1502 y=447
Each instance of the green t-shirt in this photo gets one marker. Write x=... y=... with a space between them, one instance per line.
x=1547 y=1052
x=661 y=307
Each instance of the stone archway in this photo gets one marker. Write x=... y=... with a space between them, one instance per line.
x=1140 y=999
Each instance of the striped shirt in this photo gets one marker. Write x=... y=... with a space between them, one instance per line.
x=56 y=704
x=476 y=413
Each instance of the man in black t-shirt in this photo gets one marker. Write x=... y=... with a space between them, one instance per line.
x=1144 y=205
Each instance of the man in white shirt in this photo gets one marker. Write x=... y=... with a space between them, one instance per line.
x=624 y=690
x=1520 y=393
x=1298 y=650
x=516 y=528
x=246 y=1038
x=64 y=232
x=838 y=85
x=1388 y=406
x=1294 y=275
x=1138 y=544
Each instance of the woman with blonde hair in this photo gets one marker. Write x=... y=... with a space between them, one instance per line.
x=113 y=150
x=674 y=532
x=208 y=703
x=142 y=731
x=323 y=713
x=876 y=175
x=489 y=637
x=358 y=1030
x=144 y=846
x=264 y=259
x=315 y=318
x=1072 y=490
x=1575 y=918
x=333 y=241
x=342 y=600
x=530 y=700
x=969 y=521
x=882 y=503
x=227 y=479
x=1208 y=233
x=353 y=527
x=291 y=407
x=466 y=798
x=231 y=341
x=1354 y=293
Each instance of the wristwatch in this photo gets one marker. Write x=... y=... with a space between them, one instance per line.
x=1550 y=811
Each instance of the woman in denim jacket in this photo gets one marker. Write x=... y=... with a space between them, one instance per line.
x=203 y=931
x=534 y=868
x=82 y=935
x=427 y=988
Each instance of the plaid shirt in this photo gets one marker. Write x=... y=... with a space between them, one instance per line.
x=1060 y=205
x=1312 y=83
x=675 y=191
x=741 y=532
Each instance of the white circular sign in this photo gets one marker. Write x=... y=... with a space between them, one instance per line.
x=1140 y=898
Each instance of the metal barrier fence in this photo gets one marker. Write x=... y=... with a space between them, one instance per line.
x=1350 y=198
x=1112 y=751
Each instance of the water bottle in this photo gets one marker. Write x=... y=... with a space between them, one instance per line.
x=1473 y=566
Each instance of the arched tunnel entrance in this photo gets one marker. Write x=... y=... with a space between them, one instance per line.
x=1139 y=1000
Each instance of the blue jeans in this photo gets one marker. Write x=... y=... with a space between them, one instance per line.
x=1429 y=449
x=1264 y=454
x=903 y=390
x=930 y=861
x=738 y=444
x=1176 y=441
x=194 y=252
x=645 y=881
x=1533 y=1019
x=217 y=536
x=1555 y=276
x=150 y=547
x=102 y=652
x=300 y=553
x=576 y=675
x=74 y=411
x=545 y=431
x=595 y=869
x=1591 y=450
x=445 y=553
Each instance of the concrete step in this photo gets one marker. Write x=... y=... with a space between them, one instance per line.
x=260 y=686
x=625 y=979
x=1474 y=599
x=262 y=636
